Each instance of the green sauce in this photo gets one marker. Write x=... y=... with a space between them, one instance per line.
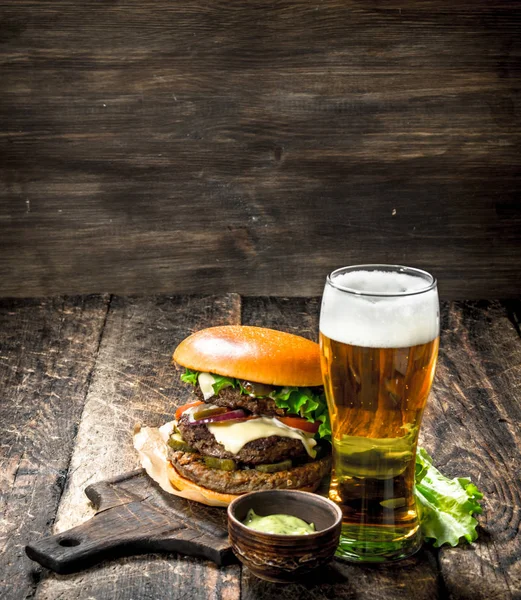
x=279 y=524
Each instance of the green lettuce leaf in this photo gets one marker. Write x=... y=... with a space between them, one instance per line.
x=223 y=382
x=303 y=402
x=324 y=431
x=190 y=376
x=445 y=506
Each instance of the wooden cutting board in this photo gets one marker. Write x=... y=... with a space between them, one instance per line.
x=134 y=516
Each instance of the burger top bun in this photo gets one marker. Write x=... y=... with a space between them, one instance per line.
x=254 y=354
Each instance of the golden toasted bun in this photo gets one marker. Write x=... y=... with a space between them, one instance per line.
x=204 y=495
x=199 y=494
x=252 y=353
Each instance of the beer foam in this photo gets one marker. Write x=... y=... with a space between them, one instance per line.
x=380 y=321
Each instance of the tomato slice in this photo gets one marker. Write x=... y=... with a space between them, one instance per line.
x=300 y=423
x=182 y=409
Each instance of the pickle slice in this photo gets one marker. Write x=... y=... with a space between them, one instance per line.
x=223 y=464
x=257 y=390
x=176 y=442
x=275 y=467
x=322 y=450
x=204 y=413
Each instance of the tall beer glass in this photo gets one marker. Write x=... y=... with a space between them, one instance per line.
x=379 y=335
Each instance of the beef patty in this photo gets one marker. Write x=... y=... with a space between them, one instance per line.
x=192 y=467
x=232 y=399
x=267 y=450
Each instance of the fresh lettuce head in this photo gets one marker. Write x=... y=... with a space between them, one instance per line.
x=445 y=506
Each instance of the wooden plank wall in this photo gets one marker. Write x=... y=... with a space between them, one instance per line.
x=248 y=146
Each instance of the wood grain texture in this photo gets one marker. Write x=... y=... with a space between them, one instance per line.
x=416 y=577
x=340 y=580
x=47 y=353
x=252 y=147
x=134 y=381
x=473 y=427
x=150 y=577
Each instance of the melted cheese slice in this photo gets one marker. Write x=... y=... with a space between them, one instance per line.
x=234 y=436
x=206 y=382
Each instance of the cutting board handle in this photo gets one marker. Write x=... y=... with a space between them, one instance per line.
x=124 y=530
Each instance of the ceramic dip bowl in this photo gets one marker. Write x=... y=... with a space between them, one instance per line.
x=284 y=558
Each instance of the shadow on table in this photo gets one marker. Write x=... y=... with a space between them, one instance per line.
x=340 y=579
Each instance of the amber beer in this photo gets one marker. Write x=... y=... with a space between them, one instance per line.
x=379 y=328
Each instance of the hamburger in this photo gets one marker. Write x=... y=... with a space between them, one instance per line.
x=258 y=419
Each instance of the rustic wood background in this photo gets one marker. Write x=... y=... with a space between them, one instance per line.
x=249 y=146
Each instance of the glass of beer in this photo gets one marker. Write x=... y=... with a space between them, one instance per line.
x=379 y=337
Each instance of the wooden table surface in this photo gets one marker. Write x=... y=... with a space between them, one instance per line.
x=79 y=372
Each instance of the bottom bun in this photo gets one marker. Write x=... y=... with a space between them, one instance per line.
x=206 y=496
